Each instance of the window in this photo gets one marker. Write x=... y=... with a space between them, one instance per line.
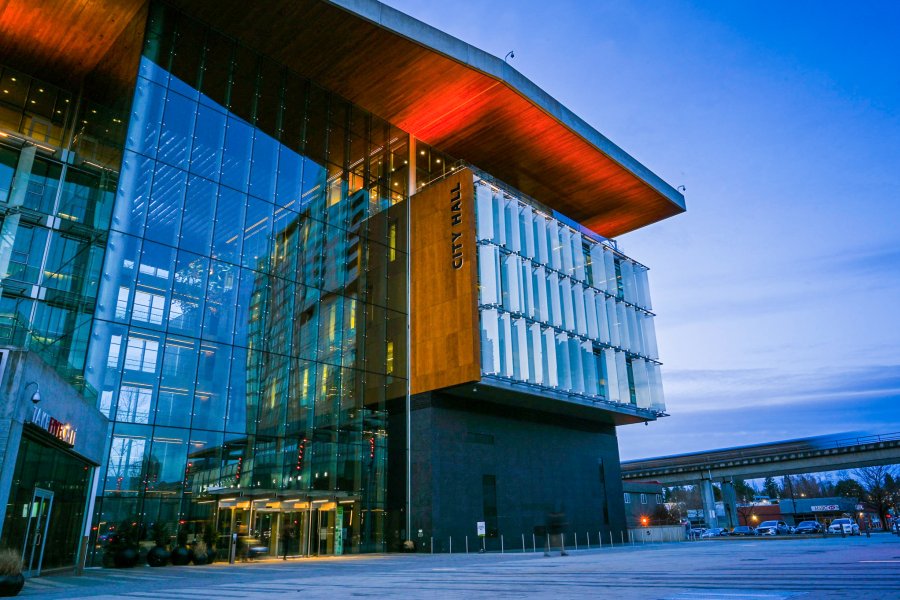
x=643 y=498
x=659 y=498
x=140 y=354
x=627 y=498
x=147 y=307
x=392 y=241
x=115 y=346
x=122 y=303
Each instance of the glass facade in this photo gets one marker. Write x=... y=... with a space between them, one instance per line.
x=560 y=309
x=251 y=321
x=59 y=160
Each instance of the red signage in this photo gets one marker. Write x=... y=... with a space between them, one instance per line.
x=61 y=431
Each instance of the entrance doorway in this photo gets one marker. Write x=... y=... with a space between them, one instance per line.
x=36 y=532
x=289 y=528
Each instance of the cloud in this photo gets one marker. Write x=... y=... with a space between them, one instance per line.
x=724 y=408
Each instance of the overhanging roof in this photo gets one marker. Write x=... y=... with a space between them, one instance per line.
x=445 y=92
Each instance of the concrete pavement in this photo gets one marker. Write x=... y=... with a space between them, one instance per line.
x=755 y=569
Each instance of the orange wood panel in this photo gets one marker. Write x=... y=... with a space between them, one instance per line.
x=450 y=105
x=446 y=344
x=61 y=41
x=453 y=106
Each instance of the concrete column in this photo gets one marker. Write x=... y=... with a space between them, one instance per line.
x=709 y=503
x=729 y=497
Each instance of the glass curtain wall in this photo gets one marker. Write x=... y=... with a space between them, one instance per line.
x=252 y=317
x=59 y=159
x=560 y=309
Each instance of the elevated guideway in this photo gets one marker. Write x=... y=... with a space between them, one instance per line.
x=787 y=457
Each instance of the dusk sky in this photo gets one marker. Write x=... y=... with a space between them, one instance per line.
x=777 y=292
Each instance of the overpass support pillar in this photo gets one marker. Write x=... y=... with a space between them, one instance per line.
x=729 y=498
x=709 y=503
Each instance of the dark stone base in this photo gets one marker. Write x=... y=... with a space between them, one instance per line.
x=514 y=469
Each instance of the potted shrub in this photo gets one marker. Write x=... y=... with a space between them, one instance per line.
x=11 y=578
x=200 y=553
x=158 y=556
x=123 y=545
x=181 y=555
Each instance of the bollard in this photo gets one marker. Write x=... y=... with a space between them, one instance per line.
x=611 y=543
x=631 y=535
x=576 y=541
x=432 y=544
x=588 y=536
x=622 y=535
x=533 y=543
x=523 y=543
x=501 y=543
x=467 y=544
x=451 y=544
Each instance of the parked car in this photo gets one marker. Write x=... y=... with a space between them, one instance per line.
x=697 y=531
x=848 y=525
x=773 y=528
x=808 y=527
x=714 y=532
x=743 y=530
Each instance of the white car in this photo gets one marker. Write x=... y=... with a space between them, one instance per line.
x=848 y=526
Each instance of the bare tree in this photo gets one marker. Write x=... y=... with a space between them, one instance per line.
x=877 y=483
x=745 y=514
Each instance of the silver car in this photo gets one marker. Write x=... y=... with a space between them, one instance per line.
x=773 y=528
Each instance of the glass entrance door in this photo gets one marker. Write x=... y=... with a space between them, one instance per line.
x=36 y=532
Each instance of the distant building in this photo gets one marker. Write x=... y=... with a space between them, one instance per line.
x=642 y=501
x=755 y=513
x=826 y=510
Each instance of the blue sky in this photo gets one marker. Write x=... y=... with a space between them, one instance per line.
x=778 y=292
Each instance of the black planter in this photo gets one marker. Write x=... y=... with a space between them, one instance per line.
x=200 y=559
x=157 y=556
x=125 y=558
x=181 y=556
x=11 y=585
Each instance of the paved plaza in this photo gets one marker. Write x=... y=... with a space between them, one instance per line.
x=756 y=569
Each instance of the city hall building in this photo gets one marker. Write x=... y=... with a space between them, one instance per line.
x=307 y=274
